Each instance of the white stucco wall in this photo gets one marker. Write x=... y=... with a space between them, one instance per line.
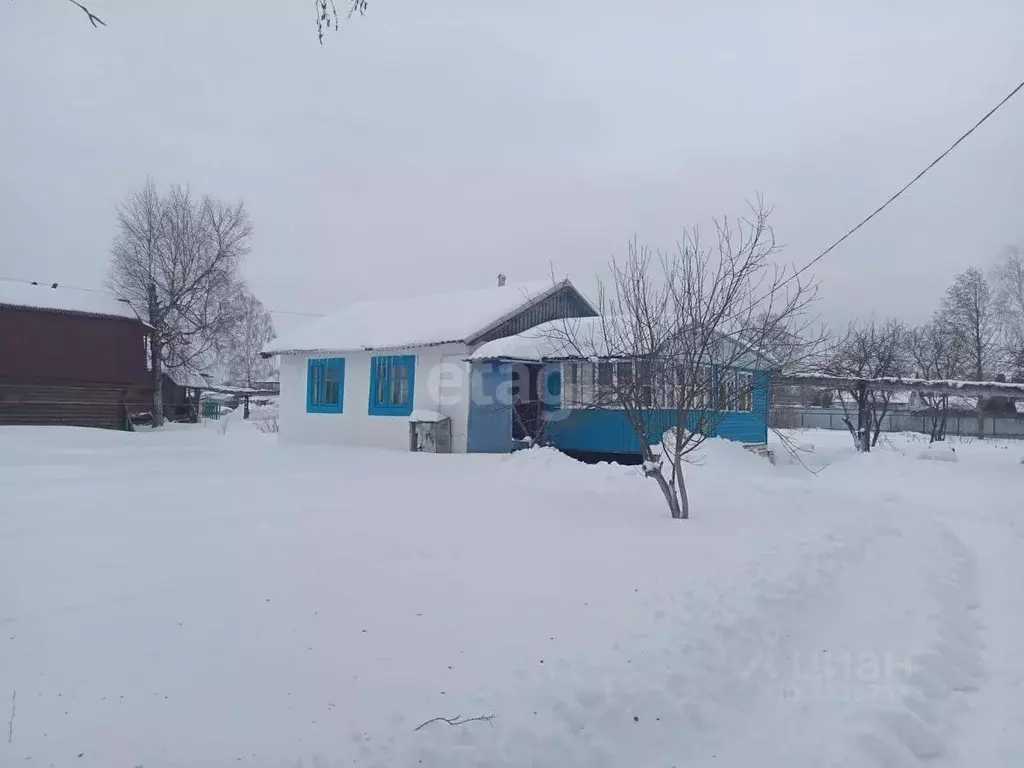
x=441 y=384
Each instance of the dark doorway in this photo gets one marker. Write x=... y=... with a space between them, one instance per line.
x=527 y=409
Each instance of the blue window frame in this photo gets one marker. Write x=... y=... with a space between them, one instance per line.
x=392 y=382
x=325 y=385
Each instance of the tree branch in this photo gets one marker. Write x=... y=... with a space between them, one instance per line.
x=93 y=18
x=457 y=720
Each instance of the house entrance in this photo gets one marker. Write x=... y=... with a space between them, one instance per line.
x=527 y=408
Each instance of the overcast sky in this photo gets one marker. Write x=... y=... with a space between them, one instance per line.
x=430 y=145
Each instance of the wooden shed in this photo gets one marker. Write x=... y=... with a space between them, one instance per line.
x=69 y=356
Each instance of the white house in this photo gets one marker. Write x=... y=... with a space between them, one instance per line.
x=356 y=376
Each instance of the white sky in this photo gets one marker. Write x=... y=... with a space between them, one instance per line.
x=430 y=145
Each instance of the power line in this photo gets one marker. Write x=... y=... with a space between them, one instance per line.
x=301 y=314
x=904 y=188
x=43 y=284
x=792 y=277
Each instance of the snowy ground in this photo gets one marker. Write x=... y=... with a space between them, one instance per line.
x=192 y=598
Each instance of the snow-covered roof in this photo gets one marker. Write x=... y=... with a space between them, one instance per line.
x=582 y=337
x=70 y=300
x=414 y=322
x=189 y=378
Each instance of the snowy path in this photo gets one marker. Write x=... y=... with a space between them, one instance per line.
x=803 y=662
x=256 y=614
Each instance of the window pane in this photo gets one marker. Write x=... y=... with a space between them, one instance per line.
x=681 y=397
x=381 y=395
x=624 y=372
x=645 y=379
x=571 y=373
x=666 y=395
x=399 y=385
x=316 y=388
x=586 y=383
x=332 y=388
x=394 y=396
x=605 y=391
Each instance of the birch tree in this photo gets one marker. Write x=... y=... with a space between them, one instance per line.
x=678 y=345
x=253 y=330
x=970 y=308
x=1009 y=287
x=972 y=311
x=175 y=258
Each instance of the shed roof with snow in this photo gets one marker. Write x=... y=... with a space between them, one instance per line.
x=462 y=317
x=74 y=301
x=585 y=337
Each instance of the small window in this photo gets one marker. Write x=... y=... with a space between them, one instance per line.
x=325 y=378
x=392 y=379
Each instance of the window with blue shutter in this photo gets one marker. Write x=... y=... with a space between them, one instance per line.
x=392 y=382
x=325 y=385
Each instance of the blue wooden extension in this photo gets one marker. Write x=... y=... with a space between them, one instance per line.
x=608 y=430
x=597 y=431
x=490 y=409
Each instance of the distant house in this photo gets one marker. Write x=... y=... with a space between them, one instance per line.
x=356 y=376
x=180 y=393
x=360 y=375
x=69 y=356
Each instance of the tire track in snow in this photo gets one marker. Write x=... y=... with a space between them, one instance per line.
x=921 y=727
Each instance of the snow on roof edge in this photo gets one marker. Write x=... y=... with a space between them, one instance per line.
x=18 y=294
x=333 y=351
x=462 y=318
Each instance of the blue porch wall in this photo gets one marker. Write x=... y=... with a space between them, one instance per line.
x=609 y=431
x=490 y=409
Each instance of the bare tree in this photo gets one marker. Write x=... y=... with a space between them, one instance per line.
x=253 y=330
x=868 y=350
x=1009 y=288
x=678 y=345
x=936 y=352
x=971 y=310
x=175 y=258
x=326 y=14
x=92 y=17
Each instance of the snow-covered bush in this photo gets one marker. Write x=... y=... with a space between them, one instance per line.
x=268 y=426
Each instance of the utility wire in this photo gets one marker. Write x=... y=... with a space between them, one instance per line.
x=903 y=189
x=43 y=284
x=792 y=277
